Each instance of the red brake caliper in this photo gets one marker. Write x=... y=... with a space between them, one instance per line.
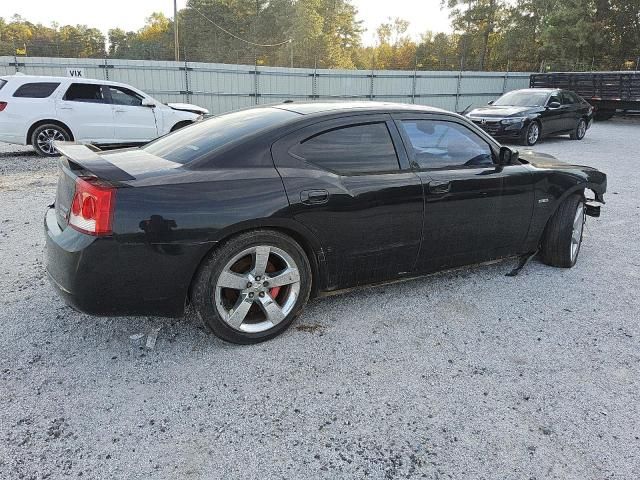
x=274 y=292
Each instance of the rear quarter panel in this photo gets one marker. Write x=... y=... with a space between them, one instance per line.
x=164 y=227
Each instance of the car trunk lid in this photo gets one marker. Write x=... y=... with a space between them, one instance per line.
x=116 y=169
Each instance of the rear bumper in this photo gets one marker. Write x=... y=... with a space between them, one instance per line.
x=101 y=276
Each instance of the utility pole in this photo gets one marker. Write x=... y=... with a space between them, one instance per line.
x=176 y=43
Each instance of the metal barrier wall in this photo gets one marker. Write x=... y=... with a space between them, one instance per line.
x=222 y=87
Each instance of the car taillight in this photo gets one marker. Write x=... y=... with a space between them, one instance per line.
x=92 y=207
x=3 y=105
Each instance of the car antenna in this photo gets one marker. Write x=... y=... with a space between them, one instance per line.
x=466 y=109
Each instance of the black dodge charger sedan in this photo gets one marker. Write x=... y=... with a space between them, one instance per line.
x=248 y=214
x=530 y=114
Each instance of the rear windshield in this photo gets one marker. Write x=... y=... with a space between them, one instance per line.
x=197 y=141
x=2 y=83
x=36 y=90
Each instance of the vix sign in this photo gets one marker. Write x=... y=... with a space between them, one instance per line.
x=75 y=72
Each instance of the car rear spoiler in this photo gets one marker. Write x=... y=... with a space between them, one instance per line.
x=88 y=159
x=116 y=167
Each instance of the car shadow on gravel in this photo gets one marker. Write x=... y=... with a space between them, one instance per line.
x=27 y=153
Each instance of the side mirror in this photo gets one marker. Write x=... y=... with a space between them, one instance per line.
x=490 y=102
x=554 y=105
x=507 y=156
x=148 y=103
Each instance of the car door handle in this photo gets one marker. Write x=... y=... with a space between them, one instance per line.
x=119 y=110
x=439 y=187
x=66 y=108
x=314 y=197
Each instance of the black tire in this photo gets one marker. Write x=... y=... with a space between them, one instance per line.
x=528 y=139
x=180 y=125
x=206 y=291
x=579 y=131
x=557 y=239
x=51 y=131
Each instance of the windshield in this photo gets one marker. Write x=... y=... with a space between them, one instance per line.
x=196 y=141
x=522 y=99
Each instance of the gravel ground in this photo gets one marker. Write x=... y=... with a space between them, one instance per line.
x=466 y=374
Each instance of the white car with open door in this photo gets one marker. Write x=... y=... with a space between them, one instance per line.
x=38 y=110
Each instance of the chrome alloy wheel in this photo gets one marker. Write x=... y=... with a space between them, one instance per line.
x=576 y=233
x=46 y=138
x=257 y=289
x=533 y=133
x=582 y=129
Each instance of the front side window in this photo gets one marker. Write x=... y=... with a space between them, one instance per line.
x=124 y=96
x=554 y=98
x=2 y=83
x=567 y=98
x=365 y=148
x=36 y=90
x=441 y=144
x=85 y=92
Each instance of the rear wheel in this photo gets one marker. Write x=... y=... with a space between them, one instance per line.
x=563 y=236
x=252 y=288
x=43 y=137
x=531 y=134
x=580 y=130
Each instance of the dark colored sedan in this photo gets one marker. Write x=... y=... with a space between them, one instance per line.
x=527 y=115
x=248 y=214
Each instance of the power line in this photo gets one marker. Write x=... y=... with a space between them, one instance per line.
x=237 y=37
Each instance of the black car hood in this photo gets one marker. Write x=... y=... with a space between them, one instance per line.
x=543 y=160
x=500 y=111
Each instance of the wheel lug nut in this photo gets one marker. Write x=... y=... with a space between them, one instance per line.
x=251 y=295
x=257 y=279
x=261 y=294
x=249 y=284
x=266 y=284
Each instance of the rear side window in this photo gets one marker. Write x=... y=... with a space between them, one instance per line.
x=85 y=92
x=365 y=148
x=440 y=144
x=36 y=90
x=2 y=83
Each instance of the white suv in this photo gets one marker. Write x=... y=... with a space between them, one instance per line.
x=37 y=110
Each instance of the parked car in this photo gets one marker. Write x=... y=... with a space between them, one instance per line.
x=38 y=110
x=248 y=214
x=527 y=115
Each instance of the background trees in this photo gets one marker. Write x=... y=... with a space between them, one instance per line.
x=485 y=35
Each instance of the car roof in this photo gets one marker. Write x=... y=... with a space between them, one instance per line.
x=310 y=108
x=546 y=90
x=46 y=78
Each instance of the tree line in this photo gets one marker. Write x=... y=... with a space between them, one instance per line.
x=484 y=35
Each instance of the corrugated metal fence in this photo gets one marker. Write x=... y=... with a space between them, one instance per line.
x=222 y=87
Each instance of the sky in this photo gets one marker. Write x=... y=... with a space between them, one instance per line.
x=130 y=14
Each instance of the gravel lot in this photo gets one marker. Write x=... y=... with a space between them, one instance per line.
x=461 y=375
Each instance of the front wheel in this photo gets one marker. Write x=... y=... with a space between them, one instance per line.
x=580 y=130
x=531 y=134
x=563 y=236
x=252 y=288
x=43 y=137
